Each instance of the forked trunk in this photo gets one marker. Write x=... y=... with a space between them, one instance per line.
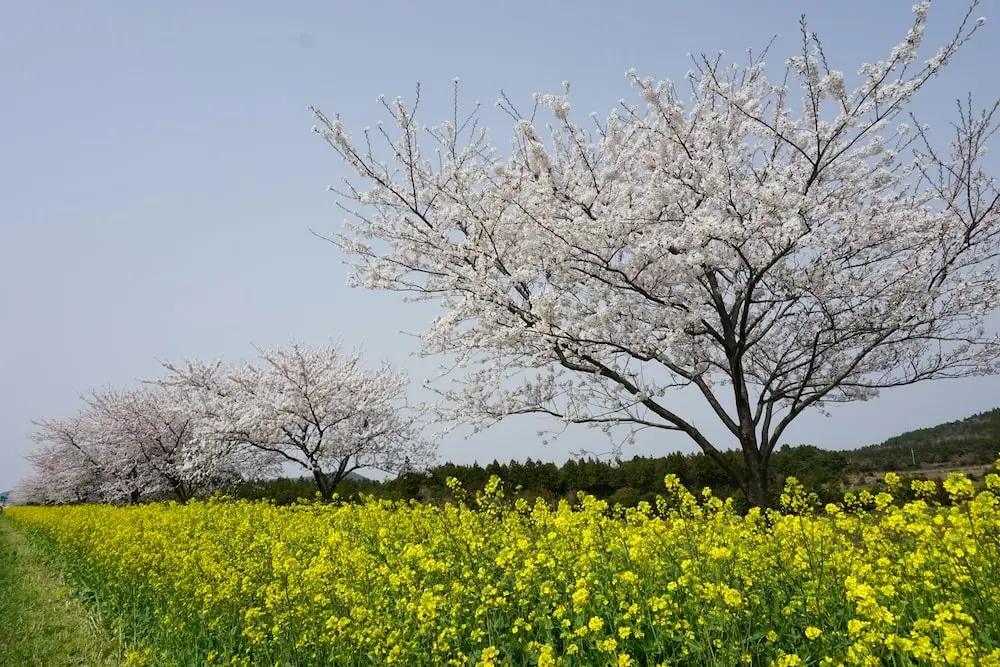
x=755 y=482
x=323 y=483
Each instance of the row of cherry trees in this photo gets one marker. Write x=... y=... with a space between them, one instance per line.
x=203 y=426
x=769 y=246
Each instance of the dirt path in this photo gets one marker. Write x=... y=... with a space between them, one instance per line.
x=40 y=626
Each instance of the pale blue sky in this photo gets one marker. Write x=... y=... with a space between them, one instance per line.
x=158 y=177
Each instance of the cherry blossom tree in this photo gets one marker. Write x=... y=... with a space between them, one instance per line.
x=145 y=435
x=197 y=389
x=31 y=490
x=318 y=408
x=770 y=245
x=123 y=445
x=69 y=466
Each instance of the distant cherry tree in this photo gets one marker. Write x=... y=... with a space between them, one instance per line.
x=123 y=445
x=146 y=436
x=69 y=467
x=30 y=490
x=774 y=246
x=318 y=408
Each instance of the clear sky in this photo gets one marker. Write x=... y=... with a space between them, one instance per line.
x=158 y=177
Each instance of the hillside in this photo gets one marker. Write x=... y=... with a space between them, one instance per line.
x=971 y=444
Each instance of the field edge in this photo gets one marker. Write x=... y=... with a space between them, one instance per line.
x=40 y=623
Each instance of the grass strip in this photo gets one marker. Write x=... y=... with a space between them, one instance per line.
x=40 y=624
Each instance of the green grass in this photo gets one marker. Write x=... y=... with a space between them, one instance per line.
x=40 y=625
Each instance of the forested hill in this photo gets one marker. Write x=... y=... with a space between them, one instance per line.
x=968 y=443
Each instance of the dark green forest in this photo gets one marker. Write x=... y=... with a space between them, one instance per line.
x=969 y=445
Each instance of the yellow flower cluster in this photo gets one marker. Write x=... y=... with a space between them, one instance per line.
x=491 y=582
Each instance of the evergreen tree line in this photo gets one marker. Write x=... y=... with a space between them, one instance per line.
x=970 y=442
x=828 y=474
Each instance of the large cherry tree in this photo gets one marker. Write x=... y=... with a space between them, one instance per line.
x=771 y=245
x=320 y=409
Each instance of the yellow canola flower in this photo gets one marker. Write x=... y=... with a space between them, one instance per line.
x=684 y=580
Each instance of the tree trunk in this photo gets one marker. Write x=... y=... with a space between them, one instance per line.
x=755 y=483
x=134 y=494
x=323 y=484
x=179 y=488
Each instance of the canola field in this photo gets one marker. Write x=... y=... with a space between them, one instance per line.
x=492 y=581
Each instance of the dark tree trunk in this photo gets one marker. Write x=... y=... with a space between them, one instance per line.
x=755 y=482
x=324 y=484
x=178 y=487
x=182 y=492
x=754 y=454
x=134 y=494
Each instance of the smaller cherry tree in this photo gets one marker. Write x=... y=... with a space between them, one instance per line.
x=123 y=445
x=318 y=408
x=31 y=490
x=69 y=466
x=146 y=433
